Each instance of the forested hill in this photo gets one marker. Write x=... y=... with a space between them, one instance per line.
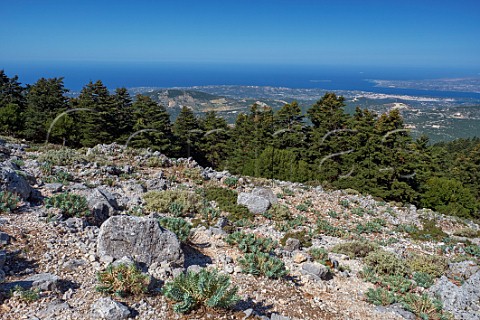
x=367 y=152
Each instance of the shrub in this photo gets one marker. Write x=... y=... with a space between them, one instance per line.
x=26 y=295
x=226 y=200
x=303 y=236
x=473 y=250
x=423 y=306
x=396 y=283
x=302 y=207
x=261 y=263
x=61 y=157
x=467 y=232
x=205 y=288
x=430 y=231
x=319 y=254
x=386 y=263
x=230 y=182
x=122 y=280
x=358 y=211
x=72 y=205
x=155 y=162
x=344 y=203
x=180 y=227
x=177 y=202
x=433 y=265
x=380 y=297
x=423 y=279
x=332 y=214
x=279 y=212
x=209 y=215
x=369 y=227
x=249 y=243
x=326 y=228
x=8 y=201
x=290 y=224
x=355 y=249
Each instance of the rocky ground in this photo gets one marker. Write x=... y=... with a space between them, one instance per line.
x=49 y=260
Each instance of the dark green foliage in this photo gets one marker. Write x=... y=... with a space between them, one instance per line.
x=71 y=205
x=122 y=280
x=303 y=236
x=261 y=263
x=374 y=226
x=355 y=249
x=473 y=250
x=450 y=197
x=429 y=232
x=380 y=297
x=8 y=201
x=423 y=279
x=226 y=200
x=386 y=263
x=396 y=283
x=230 y=181
x=177 y=225
x=205 y=288
x=249 y=243
x=176 y=202
x=152 y=126
x=26 y=295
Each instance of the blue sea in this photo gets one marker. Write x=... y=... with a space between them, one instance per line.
x=116 y=74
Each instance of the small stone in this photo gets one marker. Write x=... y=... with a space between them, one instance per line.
x=229 y=268
x=108 y=309
x=316 y=270
x=299 y=258
x=4 y=238
x=248 y=313
x=292 y=244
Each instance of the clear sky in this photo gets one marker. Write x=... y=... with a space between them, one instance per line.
x=356 y=32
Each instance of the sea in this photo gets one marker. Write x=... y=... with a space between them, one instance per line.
x=167 y=75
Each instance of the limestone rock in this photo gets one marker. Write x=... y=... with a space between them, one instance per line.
x=142 y=239
x=11 y=181
x=108 y=309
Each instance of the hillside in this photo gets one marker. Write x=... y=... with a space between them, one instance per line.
x=294 y=251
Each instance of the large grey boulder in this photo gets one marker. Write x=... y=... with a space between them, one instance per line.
x=140 y=238
x=44 y=282
x=258 y=201
x=11 y=181
x=464 y=301
x=108 y=309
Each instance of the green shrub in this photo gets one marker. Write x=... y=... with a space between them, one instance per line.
x=303 y=236
x=209 y=215
x=423 y=279
x=205 y=288
x=71 y=205
x=332 y=214
x=396 y=283
x=423 y=306
x=386 y=263
x=226 y=200
x=249 y=243
x=261 y=263
x=467 y=232
x=279 y=212
x=288 y=225
x=194 y=174
x=433 y=265
x=355 y=249
x=369 y=227
x=302 y=207
x=230 y=182
x=122 y=280
x=8 y=201
x=154 y=162
x=326 y=228
x=61 y=157
x=180 y=227
x=319 y=254
x=177 y=202
x=26 y=295
x=380 y=297
x=358 y=211
x=429 y=232
x=344 y=203
x=473 y=250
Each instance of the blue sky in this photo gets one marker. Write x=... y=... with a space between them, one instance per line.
x=364 y=32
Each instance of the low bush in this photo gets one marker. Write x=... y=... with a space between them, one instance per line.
x=433 y=265
x=326 y=228
x=279 y=212
x=380 y=297
x=423 y=279
x=261 y=263
x=205 y=288
x=177 y=202
x=61 y=157
x=249 y=243
x=423 y=306
x=71 y=205
x=355 y=249
x=179 y=226
x=122 y=280
x=386 y=263
x=303 y=236
x=226 y=200
x=8 y=201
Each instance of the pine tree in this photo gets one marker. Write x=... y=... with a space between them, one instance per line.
x=45 y=101
x=123 y=115
x=214 y=146
x=152 y=126
x=187 y=132
x=12 y=104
